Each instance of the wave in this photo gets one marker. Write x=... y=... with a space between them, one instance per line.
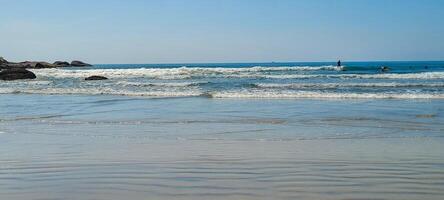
x=260 y=94
x=161 y=84
x=322 y=95
x=423 y=75
x=25 y=82
x=253 y=72
x=168 y=73
x=103 y=91
x=336 y=85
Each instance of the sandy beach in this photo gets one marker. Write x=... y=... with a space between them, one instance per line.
x=113 y=147
x=221 y=100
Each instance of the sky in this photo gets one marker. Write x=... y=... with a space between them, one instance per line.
x=196 y=31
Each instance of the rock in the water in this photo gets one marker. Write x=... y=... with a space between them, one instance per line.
x=16 y=73
x=77 y=63
x=43 y=65
x=95 y=78
x=61 y=63
x=4 y=64
x=32 y=64
x=3 y=61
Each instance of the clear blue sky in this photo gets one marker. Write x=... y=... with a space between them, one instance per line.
x=164 y=31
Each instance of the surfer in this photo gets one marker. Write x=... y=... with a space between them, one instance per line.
x=339 y=63
x=384 y=69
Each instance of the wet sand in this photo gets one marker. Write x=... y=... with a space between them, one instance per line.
x=110 y=147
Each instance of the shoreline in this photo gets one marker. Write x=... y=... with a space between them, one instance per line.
x=113 y=147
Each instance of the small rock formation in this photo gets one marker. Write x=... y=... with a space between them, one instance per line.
x=77 y=63
x=28 y=64
x=40 y=65
x=61 y=63
x=16 y=73
x=95 y=78
x=4 y=64
x=3 y=61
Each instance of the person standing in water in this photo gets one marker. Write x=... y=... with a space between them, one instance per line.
x=339 y=63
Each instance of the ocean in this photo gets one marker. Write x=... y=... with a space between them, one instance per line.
x=225 y=131
x=244 y=80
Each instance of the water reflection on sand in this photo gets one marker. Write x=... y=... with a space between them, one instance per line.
x=96 y=147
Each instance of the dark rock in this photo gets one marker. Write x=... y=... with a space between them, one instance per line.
x=95 y=78
x=77 y=63
x=44 y=65
x=33 y=64
x=16 y=73
x=3 y=61
x=13 y=65
x=61 y=63
x=4 y=64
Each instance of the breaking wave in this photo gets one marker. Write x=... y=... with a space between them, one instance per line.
x=423 y=75
x=254 y=72
x=169 y=73
x=323 y=95
x=231 y=82
x=226 y=94
x=103 y=91
x=160 y=84
x=337 y=85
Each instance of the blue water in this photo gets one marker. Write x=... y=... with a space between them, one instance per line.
x=405 y=80
x=407 y=66
x=225 y=131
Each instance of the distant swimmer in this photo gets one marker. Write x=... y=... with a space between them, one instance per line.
x=339 y=63
x=384 y=69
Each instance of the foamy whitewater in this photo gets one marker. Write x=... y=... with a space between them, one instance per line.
x=251 y=131
x=246 y=80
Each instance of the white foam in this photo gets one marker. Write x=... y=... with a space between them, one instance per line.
x=423 y=75
x=224 y=94
x=25 y=82
x=159 y=84
x=336 y=85
x=167 y=73
x=253 y=72
x=322 y=95
x=103 y=91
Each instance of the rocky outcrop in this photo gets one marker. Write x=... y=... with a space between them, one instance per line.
x=3 y=61
x=4 y=64
x=38 y=65
x=77 y=63
x=95 y=78
x=28 y=64
x=61 y=63
x=15 y=74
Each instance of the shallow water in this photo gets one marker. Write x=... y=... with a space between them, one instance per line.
x=404 y=80
x=117 y=147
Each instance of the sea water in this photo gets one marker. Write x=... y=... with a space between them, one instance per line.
x=225 y=131
x=245 y=80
